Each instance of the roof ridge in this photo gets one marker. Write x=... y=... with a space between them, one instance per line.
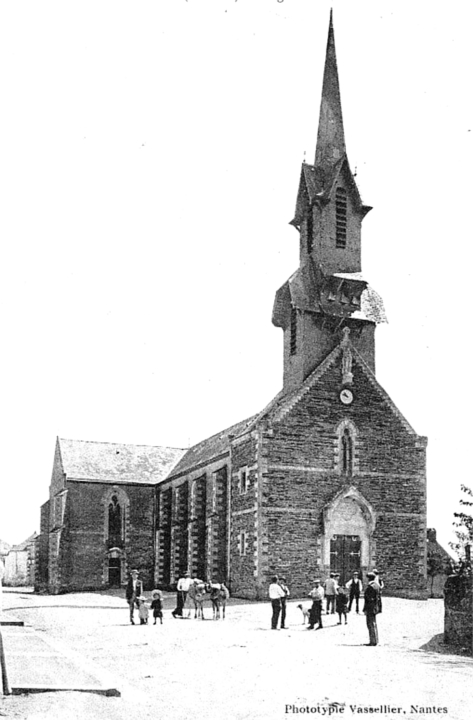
x=309 y=381
x=104 y=442
x=374 y=381
x=267 y=408
x=222 y=432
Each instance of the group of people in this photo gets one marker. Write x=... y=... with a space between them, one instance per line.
x=193 y=589
x=137 y=601
x=338 y=598
x=186 y=587
x=278 y=594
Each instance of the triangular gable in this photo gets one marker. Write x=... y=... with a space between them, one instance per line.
x=311 y=188
x=282 y=405
x=302 y=200
x=58 y=472
x=372 y=379
x=343 y=168
x=317 y=183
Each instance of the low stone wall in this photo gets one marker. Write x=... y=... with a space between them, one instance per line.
x=458 y=627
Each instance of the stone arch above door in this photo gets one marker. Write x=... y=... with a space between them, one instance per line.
x=349 y=514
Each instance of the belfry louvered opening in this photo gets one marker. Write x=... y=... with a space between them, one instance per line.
x=310 y=232
x=293 y=331
x=341 y=217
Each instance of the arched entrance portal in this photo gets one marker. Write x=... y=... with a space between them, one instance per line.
x=349 y=523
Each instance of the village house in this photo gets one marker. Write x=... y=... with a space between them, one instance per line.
x=20 y=563
x=330 y=476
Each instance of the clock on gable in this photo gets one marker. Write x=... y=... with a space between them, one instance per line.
x=346 y=396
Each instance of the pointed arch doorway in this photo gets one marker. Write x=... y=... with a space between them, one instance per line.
x=349 y=524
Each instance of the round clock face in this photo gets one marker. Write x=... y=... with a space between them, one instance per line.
x=346 y=396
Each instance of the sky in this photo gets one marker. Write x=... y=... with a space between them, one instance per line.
x=149 y=163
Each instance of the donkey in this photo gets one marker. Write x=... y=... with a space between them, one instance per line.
x=196 y=594
x=219 y=596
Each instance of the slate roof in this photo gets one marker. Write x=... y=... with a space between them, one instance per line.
x=317 y=183
x=305 y=290
x=21 y=547
x=210 y=448
x=117 y=463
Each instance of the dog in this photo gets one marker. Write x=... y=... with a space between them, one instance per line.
x=305 y=613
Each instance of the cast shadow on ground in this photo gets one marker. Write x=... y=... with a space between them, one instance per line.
x=437 y=644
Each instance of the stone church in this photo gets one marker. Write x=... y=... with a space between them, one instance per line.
x=329 y=476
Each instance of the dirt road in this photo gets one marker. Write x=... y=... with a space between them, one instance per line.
x=239 y=668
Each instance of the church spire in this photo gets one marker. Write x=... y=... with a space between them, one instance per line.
x=330 y=136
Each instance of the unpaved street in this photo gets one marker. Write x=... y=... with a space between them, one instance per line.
x=239 y=668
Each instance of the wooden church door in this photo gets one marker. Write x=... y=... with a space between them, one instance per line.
x=345 y=556
x=114 y=572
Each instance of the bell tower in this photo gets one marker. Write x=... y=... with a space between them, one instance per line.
x=327 y=293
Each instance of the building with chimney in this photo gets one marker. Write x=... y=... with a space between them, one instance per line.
x=329 y=477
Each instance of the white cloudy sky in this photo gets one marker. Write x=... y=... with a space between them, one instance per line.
x=149 y=164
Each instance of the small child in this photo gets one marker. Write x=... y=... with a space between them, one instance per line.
x=157 y=606
x=341 y=603
x=143 y=611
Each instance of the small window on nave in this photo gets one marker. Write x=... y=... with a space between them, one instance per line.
x=242 y=542
x=243 y=481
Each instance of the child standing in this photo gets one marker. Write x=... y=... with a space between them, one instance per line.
x=341 y=603
x=157 y=606
x=143 y=611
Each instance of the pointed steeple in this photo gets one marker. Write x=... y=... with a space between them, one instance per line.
x=330 y=137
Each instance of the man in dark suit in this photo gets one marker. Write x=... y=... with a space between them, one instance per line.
x=134 y=589
x=371 y=608
x=354 y=587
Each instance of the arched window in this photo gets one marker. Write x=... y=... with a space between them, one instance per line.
x=341 y=218
x=115 y=507
x=346 y=453
x=346 y=448
x=114 y=522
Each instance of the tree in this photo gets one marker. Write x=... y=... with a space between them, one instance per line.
x=437 y=564
x=463 y=525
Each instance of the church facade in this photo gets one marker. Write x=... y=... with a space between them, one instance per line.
x=328 y=477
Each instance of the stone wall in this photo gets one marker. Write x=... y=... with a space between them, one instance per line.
x=78 y=558
x=192 y=524
x=244 y=538
x=303 y=477
x=458 y=628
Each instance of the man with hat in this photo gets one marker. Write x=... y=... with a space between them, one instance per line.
x=134 y=590
x=372 y=607
x=380 y=584
x=315 y=615
x=354 y=586
x=183 y=585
